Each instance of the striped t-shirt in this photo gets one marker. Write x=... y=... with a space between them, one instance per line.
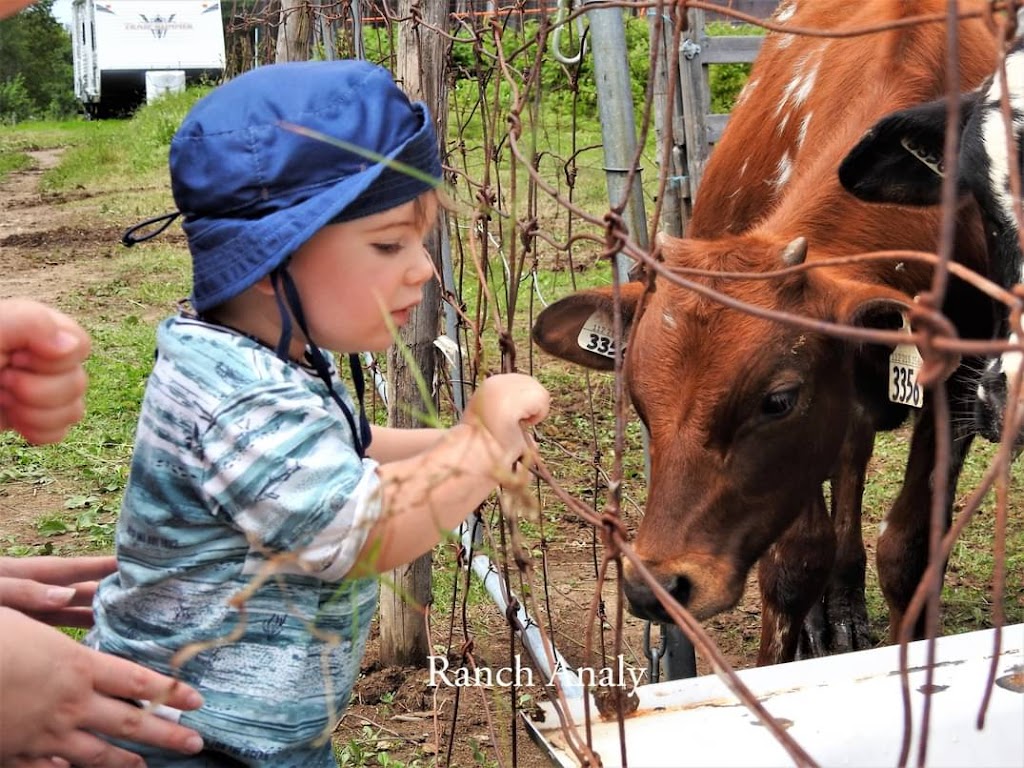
x=246 y=506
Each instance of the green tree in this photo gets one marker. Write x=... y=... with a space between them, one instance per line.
x=35 y=65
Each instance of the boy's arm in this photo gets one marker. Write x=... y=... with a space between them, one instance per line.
x=427 y=495
x=393 y=444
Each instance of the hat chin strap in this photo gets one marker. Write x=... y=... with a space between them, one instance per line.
x=283 y=283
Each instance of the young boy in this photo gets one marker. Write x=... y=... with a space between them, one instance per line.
x=251 y=459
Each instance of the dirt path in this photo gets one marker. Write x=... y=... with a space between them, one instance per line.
x=46 y=246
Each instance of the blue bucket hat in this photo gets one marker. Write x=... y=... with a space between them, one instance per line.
x=255 y=174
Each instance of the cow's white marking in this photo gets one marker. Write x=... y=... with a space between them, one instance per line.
x=802 y=134
x=801 y=84
x=785 y=12
x=1012 y=361
x=783 y=170
x=746 y=91
x=993 y=132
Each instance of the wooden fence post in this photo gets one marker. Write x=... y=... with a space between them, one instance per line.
x=421 y=72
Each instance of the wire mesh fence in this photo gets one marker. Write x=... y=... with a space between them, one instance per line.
x=546 y=203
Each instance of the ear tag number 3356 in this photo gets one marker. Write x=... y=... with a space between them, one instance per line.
x=904 y=365
x=597 y=336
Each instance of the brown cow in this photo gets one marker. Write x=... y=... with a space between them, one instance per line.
x=747 y=417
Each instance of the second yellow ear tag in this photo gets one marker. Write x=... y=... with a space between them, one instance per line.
x=904 y=365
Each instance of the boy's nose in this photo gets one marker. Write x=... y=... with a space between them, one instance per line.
x=422 y=269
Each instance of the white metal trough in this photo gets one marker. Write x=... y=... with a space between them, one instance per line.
x=844 y=710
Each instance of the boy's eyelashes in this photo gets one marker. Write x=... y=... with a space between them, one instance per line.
x=388 y=248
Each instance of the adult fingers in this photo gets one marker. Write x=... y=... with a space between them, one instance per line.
x=33 y=334
x=133 y=724
x=84 y=750
x=82 y=618
x=42 y=389
x=59 y=570
x=37 y=762
x=33 y=596
x=41 y=426
x=123 y=679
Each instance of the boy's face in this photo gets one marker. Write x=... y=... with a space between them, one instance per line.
x=357 y=277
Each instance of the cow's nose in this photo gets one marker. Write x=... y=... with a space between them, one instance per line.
x=644 y=604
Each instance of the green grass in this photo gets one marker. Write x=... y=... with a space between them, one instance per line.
x=12 y=160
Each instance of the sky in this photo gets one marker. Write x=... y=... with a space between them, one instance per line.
x=62 y=11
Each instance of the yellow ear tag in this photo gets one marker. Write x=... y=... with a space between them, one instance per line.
x=904 y=365
x=596 y=336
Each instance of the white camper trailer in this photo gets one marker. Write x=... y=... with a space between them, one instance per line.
x=116 y=42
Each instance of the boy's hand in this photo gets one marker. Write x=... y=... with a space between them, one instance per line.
x=42 y=381
x=503 y=404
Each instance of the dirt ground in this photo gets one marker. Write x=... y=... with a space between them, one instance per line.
x=49 y=247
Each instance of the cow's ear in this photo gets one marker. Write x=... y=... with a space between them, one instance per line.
x=578 y=327
x=900 y=159
x=880 y=313
x=868 y=308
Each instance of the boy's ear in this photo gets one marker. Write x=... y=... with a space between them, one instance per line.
x=264 y=286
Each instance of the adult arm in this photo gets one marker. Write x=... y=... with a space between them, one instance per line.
x=54 y=590
x=56 y=695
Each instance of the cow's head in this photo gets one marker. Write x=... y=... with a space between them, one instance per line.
x=900 y=160
x=745 y=415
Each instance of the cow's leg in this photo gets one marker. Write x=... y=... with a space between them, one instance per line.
x=844 y=607
x=902 y=551
x=792 y=575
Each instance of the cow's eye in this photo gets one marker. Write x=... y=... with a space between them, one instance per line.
x=777 y=404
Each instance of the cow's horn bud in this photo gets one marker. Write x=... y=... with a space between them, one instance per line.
x=794 y=254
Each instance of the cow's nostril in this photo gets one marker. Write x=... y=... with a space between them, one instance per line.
x=680 y=588
x=644 y=603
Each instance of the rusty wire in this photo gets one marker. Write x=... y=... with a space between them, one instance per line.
x=500 y=240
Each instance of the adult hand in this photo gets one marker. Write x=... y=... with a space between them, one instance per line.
x=55 y=590
x=42 y=381
x=57 y=695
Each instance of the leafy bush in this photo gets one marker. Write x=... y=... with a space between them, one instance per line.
x=15 y=103
x=35 y=66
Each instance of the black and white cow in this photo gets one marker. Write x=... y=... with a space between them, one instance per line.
x=900 y=161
